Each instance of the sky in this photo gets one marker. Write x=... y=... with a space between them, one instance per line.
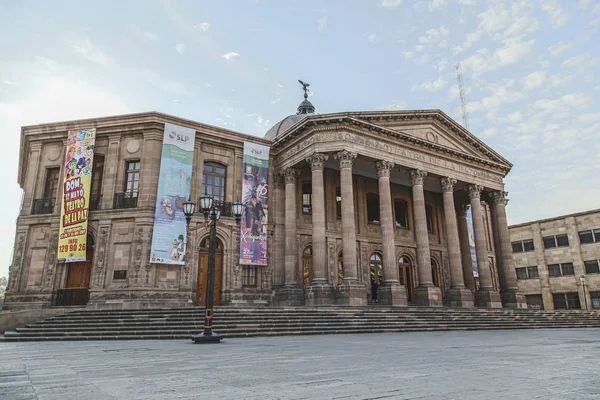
x=531 y=72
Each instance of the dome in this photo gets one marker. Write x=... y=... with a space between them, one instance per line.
x=304 y=110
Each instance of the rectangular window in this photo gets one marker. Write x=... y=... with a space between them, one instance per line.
x=554 y=270
x=595 y=299
x=532 y=272
x=559 y=300
x=517 y=247
x=562 y=241
x=249 y=276
x=586 y=237
x=306 y=197
x=429 y=217
x=567 y=269
x=132 y=184
x=549 y=242
x=521 y=273
x=213 y=181
x=535 y=301
x=338 y=202
x=401 y=211
x=528 y=245
x=591 y=267
x=597 y=235
x=51 y=183
x=372 y=208
x=573 y=300
x=119 y=275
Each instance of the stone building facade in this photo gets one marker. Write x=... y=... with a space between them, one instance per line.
x=557 y=261
x=363 y=207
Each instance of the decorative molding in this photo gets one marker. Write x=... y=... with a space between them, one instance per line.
x=447 y=184
x=499 y=197
x=51 y=261
x=278 y=182
x=317 y=161
x=15 y=270
x=417 y=176
x=290 y=174
x=132 y=146
x=346 y=158
x=101 y=258
x=474 y=191
x=384 y=168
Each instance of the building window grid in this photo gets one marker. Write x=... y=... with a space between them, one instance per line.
x=527 y=273
x=556 y=241
x=338 y=202
x=132 y=182
x=429 y=218
x=306 y=197
x=249 y=276
x=564 y=269
x=373 y=208
x=401 y=213
x=595 y=299
x=592 y=266
x=566 y=301
x=51 y=183
x=522 y=246
x=589 y=236
x=213 y=181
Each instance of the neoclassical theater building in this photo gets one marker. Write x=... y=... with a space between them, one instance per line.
x=364 y=207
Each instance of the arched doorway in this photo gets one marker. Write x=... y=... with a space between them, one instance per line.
x=376 y=268
x=307 y=270
x=203 y=272
x=78 y=276
x=435 y=272
x=406 y=276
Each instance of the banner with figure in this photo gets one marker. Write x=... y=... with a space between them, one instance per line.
x=74 y=206
x=255 y=195
x=169 y=236
x=471 y=232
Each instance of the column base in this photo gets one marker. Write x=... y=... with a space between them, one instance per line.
x=459 y=297
x=392 y=294
x=430 y=296
x=487 y=298
x=319 y=294
x=513 y=299
x=288 y=296
x=351 y=294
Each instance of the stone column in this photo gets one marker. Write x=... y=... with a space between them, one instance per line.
x=351 y=291
x=465 y=248
x=507 y=274
x=319 y=291
x=458 y=295
x=426 y=294
x=279 y=236
x=290 y=294
x=486 y=296
x=391 y=292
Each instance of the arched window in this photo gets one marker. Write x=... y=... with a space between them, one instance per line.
x=205 y=245
x=372 y=208
x=406 y=276
x=340 y=267
x=376 y=264
x=401 y=211
x=307 y=270
x=213 y=181
x=435 y=271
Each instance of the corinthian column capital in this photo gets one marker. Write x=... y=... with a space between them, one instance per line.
x=317 y=161
x=384 y=168
x=345 y=158
x=417 y=176
x=447 y=184
x=474 y=191
x=278 y=182
x=290 y=174
x=499 y=197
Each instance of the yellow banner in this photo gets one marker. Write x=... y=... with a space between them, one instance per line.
x=74 y=208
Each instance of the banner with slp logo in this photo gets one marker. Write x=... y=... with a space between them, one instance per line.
x=74 y=207
x=169 y=239
x=255 y=195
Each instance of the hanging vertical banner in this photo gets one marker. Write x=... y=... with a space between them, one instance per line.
x=471 y=232
x=74 y=207
x=169 y=237
x=255 y=195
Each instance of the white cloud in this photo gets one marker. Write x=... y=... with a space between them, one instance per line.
x=322 y=23
x=165 y=84
x=371 y=36
x=534 y=80
x=563 y=105
x=83 y=46
x=399 y=105
x=512 y=51
x=558 y=48
x=489 y=132
x=203 y=26
x=180 y=48
x=390 y=3
x=434 y=34
x=434 y=86
x=556 y=15
x=582 y=59
x=230 y=55
x=435 y=4
x=590 y=117
x=440 y=65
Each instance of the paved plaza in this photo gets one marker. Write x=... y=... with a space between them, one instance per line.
x=532 y=364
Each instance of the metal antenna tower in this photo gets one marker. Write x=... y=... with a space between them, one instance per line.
x=461 y=91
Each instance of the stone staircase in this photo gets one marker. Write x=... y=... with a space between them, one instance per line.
x=241 y=322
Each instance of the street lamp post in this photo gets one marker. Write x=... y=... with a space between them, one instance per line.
x=212 y=213
x=582 y=280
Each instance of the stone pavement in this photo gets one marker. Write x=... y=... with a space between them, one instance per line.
x=531 y=364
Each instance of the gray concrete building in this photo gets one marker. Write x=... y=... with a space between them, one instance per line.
x=362 y=206
x=557 y=261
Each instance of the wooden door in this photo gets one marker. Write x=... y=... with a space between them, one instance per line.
x=406 y=278
x=203 y=278
x=80 y=272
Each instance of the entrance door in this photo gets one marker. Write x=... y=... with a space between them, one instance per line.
x=376 y=266
x=406 y=278
x=80 y=272
x=203 y=274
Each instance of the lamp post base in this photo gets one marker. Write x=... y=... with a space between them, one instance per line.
x=207 y=338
